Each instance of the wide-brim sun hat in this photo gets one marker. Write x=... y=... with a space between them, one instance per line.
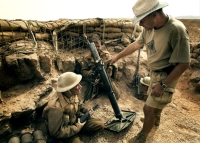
x=143 y=8
x=67 y=81
x=145 y=80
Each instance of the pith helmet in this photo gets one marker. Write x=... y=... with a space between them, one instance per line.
x=143 y=8
x=67 y=81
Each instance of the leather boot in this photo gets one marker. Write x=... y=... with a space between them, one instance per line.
x=140 y=138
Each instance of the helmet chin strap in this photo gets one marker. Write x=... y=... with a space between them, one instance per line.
x=70 y=92
x=67 y=93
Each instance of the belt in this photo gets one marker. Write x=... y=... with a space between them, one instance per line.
x=166 y=69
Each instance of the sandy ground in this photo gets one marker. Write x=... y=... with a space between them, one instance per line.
x=179 y=121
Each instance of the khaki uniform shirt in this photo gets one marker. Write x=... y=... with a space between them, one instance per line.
x=60 y=113
x=166 y=46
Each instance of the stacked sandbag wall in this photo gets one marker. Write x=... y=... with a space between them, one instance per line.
x=14 y=30
x=195 y=65
x=107 y=29
x=195 y=54
x=69 y=32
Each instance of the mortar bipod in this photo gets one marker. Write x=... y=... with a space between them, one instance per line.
x=117 y=125
x=122 y=118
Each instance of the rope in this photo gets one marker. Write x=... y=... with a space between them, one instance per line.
x=134 y=31
x=31 y=33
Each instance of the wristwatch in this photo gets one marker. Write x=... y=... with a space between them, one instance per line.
x=163 y=85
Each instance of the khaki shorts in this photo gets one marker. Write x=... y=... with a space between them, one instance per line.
x=162 y=101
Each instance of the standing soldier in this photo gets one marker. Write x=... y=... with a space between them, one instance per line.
x=168 y=56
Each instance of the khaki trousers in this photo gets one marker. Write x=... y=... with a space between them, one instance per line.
x=91 y=127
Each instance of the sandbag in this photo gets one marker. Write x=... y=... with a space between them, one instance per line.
x=99 y=29
x=22 y=24
x=112 y=23
x=197 y=51
x=51 y=25
x=194 y=55
x=90 y=29
x=127 y=30
x=34 y=26
x=198 y=58
x=42 y=36
x=6 y=25
x=128 y=24
x=112 y=30
x=11 y=36
x=194 y=45
x=125 y=40
x=113 y=35
x=88 y=22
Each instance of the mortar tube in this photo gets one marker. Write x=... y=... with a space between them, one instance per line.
x=100 y=67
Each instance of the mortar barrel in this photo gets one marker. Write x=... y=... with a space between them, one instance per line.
x=100 y=67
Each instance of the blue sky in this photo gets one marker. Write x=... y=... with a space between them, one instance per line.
x=44 y=10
